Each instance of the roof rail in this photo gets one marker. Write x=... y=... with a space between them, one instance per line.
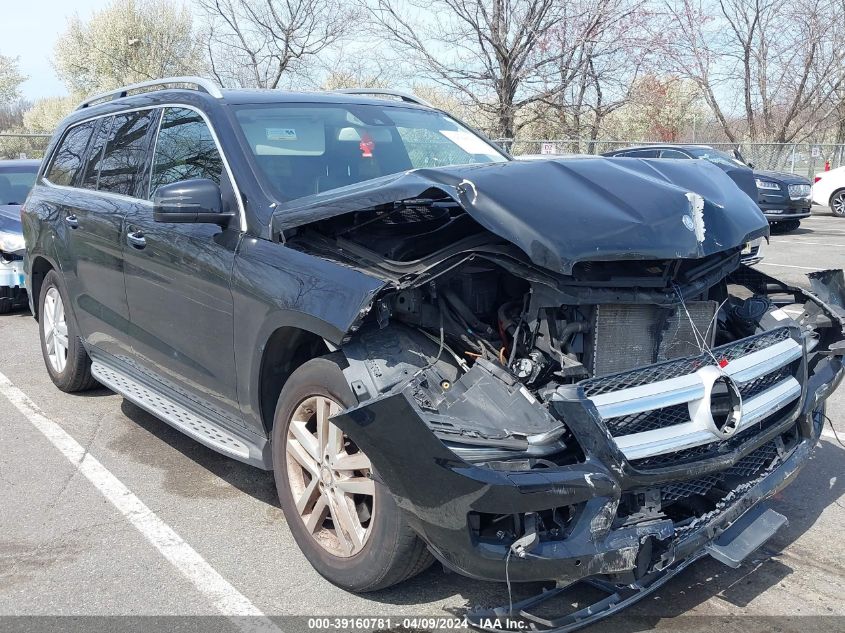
x=404 y=96
x=201 y=83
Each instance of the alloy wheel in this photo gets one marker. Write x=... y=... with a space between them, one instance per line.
x=329 y=478
x=838 y=203
x=54 y=326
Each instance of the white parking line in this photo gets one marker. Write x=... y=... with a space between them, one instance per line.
x=825 y=229
x=787 y=266
x=830 y=435
x=228 y=600
x=798 y=240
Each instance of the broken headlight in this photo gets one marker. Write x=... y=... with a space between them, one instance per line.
x=489 y=417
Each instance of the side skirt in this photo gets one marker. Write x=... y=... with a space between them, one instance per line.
x=213 y=433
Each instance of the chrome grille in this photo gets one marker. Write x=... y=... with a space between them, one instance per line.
x=648 y=420
x=675 y=368
x=666 y=410
x=799 y=191
x=759 y=385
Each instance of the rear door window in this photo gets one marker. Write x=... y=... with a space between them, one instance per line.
x=91 y=172
x=185 y=150
x=67 y=161
x=124 y=155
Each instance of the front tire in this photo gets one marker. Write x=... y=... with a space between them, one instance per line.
x=837 y=203
x=347 y=525
x=64 y=355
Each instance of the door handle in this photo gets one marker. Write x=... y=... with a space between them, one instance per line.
x=136 y=239
x=72 y=221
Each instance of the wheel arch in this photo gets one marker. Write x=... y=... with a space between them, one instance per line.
x=286 y=348
x=38 y=271
x=833 y=194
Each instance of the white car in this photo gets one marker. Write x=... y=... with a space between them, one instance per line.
x=829 y=190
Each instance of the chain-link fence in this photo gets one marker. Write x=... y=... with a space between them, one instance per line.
x=805 y=159
x=23 y=145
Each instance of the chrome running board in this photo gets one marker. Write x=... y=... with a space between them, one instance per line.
x=215 y=436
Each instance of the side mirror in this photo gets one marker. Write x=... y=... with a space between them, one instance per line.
x=750 y=165
x=190 y=201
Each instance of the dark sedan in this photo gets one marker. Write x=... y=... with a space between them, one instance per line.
x=16 y=179
x=783 y=198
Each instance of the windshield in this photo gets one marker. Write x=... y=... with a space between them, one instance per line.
x=15 y=183
x=303 y=149
x=715 y=156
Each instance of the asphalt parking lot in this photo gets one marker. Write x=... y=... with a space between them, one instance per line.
x=206 y=535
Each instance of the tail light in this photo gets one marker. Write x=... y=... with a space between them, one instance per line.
x=816 y=179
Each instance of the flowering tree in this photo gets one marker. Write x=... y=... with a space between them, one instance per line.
x=127 y=42
x=10 y=79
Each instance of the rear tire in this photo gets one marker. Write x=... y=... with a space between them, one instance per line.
x=384 y=551
x=64 y=355
x=837 y=203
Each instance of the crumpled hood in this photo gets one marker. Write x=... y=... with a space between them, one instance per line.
x=561 y=212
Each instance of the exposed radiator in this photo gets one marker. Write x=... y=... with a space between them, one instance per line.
x=630 y=336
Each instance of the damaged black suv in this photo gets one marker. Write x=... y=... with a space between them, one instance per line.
x=549 y=370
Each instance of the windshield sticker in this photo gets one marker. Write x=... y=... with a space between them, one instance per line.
x=281 y=134
x=470 y=143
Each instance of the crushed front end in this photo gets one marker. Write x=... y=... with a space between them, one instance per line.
x=601 y=472
x=541 y=415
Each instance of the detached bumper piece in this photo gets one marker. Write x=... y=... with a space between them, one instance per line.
x=746 y=536
x=523 y=617
x=736 y=544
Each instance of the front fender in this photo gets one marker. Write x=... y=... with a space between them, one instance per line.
x=274 y=286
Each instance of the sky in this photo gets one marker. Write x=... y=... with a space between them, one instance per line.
x=29 y=30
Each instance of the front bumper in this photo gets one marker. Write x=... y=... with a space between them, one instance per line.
x=438 y=491
x=779 y=208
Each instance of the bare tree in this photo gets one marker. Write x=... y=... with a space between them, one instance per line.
x=769 y=70
x=254 y=43
x=604 y=46
x=495 y=54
